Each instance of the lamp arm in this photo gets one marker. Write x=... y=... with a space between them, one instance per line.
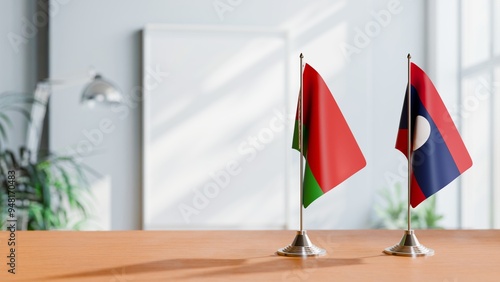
x=99 y=88
x=71 y=81
x=38 y=111
x=42 y=94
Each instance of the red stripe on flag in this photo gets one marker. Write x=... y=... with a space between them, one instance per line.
x=333 y=154
x=402 y=141
x=417 y=196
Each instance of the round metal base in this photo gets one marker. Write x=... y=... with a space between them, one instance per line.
x=409 y=247
x=301 y=247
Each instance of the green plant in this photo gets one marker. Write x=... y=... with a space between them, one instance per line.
x=53 y=192
x=392 y=214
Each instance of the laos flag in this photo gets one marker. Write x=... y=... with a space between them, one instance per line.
x=438 y=153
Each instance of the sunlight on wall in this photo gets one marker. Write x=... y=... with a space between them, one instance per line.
x=197 y=177
x=218 y=131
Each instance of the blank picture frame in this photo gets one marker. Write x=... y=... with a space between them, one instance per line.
x=216 y=128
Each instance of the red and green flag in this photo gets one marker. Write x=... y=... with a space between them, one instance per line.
x=331 y=152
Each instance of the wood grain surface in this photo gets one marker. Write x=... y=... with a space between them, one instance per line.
x=353 y=255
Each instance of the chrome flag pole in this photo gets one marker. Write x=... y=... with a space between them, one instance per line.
x=301 y=140
x=301 y=245
x=409 y=245
x=409 y=144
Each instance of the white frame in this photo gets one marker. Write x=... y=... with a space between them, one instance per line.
x=146 y=101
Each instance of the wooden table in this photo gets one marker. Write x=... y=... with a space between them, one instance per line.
x=118 y=256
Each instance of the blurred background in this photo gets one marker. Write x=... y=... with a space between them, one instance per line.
x=202 y=136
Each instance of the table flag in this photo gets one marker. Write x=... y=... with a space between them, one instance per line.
x=438 y=152
x=330 y=149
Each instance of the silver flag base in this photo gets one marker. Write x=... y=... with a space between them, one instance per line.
x=409 y=247
x=301 y=247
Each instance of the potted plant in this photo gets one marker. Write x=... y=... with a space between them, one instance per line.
x=50 y=193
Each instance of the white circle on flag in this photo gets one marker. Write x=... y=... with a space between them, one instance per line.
x=422 y=132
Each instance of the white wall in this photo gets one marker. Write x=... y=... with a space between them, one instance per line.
x=18 y=57
x=369 y=86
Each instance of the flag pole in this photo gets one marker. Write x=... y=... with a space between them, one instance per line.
x=409 y=139
x=301 y=141
x=301 y=245
x=409 y=246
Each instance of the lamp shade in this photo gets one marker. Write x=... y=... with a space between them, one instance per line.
x=101 y=90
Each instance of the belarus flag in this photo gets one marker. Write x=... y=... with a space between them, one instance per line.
x=331 y=152
x=438 y=152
